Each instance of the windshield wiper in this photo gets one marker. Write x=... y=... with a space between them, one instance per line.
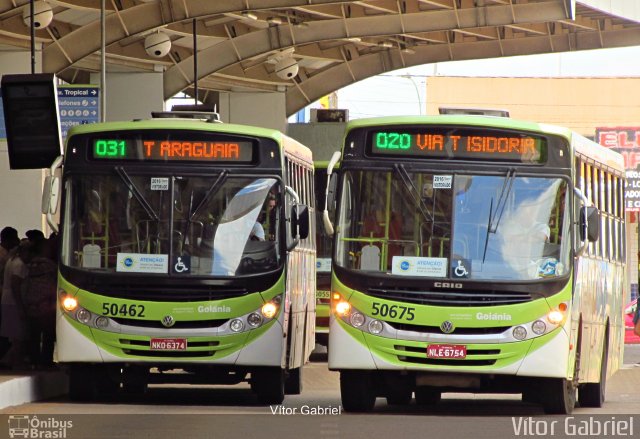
x=493 y=222
x=413 y=191
x=212 y=190
x=133 y=189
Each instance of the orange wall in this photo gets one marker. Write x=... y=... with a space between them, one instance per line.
x=581 y=104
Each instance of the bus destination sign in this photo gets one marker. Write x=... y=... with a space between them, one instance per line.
x=211 y=150
x=459 y=144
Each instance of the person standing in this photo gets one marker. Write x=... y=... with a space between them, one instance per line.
x=8 y=241
x=39 y=298
x=13 y=324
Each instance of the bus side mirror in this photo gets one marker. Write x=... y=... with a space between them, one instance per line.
x=589 y=224
x=50 y=195
x=300 y=220
x=299 y=225
x=329 y=195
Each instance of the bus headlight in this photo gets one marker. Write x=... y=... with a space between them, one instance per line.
x=269 y=310
x=375 y=326
x=83 y=316
x=538 y=327
x=102 y=322
x=69 y=303
x=357 y=319
x=557 y=316
x=519 y=333
x=254 y=319
x=343 y=308
x=236 y=325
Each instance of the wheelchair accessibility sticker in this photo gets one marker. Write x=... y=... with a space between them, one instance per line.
x=182 y=264
x=460 y=268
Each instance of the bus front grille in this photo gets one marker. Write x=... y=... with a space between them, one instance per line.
x=169 y=294
x=475 y=357
x=446 y=362
x=179 y=324
x=457 y=331
x=140 y=348
x=451 y=298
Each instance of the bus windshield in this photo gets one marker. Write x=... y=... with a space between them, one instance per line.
x=458 y=226
x=215 y=225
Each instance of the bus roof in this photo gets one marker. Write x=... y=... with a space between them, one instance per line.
x=461 y=119
x=183 y=124
x=581 y=144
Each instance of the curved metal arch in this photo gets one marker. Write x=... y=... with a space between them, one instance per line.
x=145 y=17
x=259 y=42
x=369 y=65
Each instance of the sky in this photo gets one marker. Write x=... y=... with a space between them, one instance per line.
x=403 y=91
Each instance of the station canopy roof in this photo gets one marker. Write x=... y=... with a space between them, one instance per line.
x=334 y=43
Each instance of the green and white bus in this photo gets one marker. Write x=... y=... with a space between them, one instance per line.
x=476 y=254
x=187 y=256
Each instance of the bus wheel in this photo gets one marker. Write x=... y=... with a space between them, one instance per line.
x=107 y=380
x=399 y=397
x=427 y=396
x=592 y=394
x=135 y=380
x=268 y=384
x=356 y=391
x=293 y=382
x=82 y=382
x=558 y=395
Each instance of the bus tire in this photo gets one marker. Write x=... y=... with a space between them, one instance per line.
x=399 y=396
x=557 y=395
x=268 y=385
x=293 y=383
x=593 y=394
x=356 y=391
x=135 y=380
x=82 y=382
x=427 y=396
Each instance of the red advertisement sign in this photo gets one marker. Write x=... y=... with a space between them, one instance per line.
x=626 y=141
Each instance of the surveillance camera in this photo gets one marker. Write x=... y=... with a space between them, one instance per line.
x=42 y=15
x=157 y=45
x=287 y=68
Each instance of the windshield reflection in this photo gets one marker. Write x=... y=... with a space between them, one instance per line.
x=407 y=223
x=184 y=225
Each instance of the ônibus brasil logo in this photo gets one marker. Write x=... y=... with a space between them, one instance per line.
x=27 y=426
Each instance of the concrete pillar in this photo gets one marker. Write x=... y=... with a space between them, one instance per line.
x=265 y=110
x=132 y=95
x=20 y=190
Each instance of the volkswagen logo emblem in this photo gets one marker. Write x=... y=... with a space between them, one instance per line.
x=447 y=327
x=168 y=321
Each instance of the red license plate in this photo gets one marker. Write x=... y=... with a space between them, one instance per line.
x=168 y=344
x=446 y=351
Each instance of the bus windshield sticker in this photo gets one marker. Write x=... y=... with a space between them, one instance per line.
x=419 y=266
x=142 y=263
x=461 y=268
x=159 y=183
x=442 y=181
x=323 y=265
